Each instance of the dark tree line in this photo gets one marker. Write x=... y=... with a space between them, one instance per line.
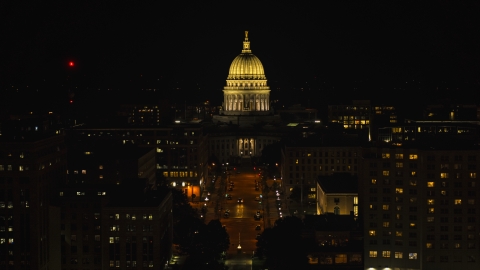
x=282 y=246
x=203 y=243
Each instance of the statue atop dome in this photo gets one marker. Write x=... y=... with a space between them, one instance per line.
x=246 y=44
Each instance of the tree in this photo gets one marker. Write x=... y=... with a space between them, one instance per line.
x=282 y=246
x=207 y=246
x=186 y=219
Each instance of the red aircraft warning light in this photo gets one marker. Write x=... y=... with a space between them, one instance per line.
x=71 y=64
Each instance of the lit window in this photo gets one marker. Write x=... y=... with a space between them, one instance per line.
x=430 y=201
x=443 y=175
x=117 y=216
x=374 y=181
x=150 y=217
x=386 y=173
x=386 y=224
x=429 y=245
x=430 y=219
x=414 y=156
x=399 y=164
x=398 y=255
x=84 y=171
x=371 y=233
x=100 y=176
x=372 y=254
x=473 y=175
x=61 y=193
x=430 y=184
x=80 y=193
x=413 y=225
x=431 y=210
x=399 y=156
x=385 y=207
x=458 y=201
x=111 y=240
x=385 y=155
x=398 y=233
x=399 y=190
x=386 y=253
x=100 y=167
x=412 y=256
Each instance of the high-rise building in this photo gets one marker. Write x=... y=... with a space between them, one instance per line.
x=32 y=165
x=419 y=207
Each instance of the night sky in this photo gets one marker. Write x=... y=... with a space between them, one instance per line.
x=362 y=50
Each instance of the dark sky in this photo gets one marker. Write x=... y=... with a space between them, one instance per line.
x=379 y=44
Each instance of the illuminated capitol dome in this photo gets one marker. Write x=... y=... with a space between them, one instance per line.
x=246 y=91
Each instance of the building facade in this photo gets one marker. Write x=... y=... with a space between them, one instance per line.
x=32 y=165
x=181 y=151
x=420 y=208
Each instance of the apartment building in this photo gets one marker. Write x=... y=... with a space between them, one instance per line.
x=419 y=207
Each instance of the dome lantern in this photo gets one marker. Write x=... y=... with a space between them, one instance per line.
x=246 y=65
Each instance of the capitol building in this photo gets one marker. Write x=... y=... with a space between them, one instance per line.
x=246 y=95
x=246 y=105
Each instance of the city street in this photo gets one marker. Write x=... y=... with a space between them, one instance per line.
x=246 y=202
